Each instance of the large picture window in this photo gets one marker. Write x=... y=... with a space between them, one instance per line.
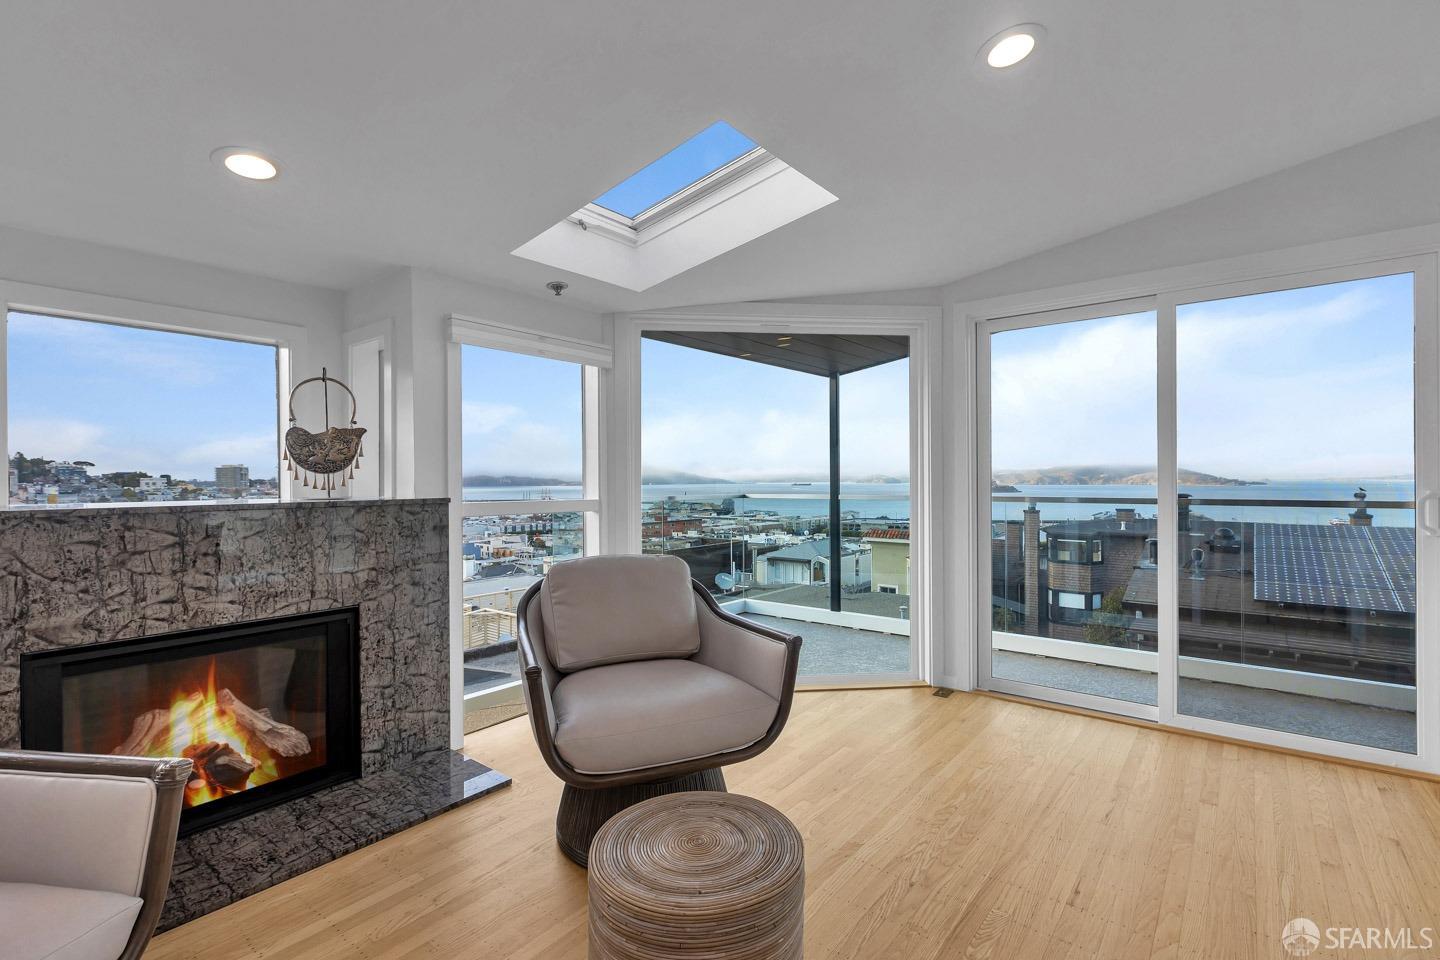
x=102 y=413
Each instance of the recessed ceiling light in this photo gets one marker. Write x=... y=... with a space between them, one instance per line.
x=247 y=163
x=1009 y=47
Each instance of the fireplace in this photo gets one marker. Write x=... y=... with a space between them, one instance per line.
x=267 y=710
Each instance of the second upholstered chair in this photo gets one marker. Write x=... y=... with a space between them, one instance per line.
x=639 y=684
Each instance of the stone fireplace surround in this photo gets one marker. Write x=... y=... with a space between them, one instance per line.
x=80 y=576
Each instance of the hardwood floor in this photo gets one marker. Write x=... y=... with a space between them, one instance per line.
x=944 y=828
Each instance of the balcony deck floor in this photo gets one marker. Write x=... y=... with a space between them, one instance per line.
x=829 y=651
x=1272 y=709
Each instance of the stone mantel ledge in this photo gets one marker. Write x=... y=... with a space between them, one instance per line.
x=171 y=506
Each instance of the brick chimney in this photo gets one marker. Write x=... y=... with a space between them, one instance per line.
x=1032 y=570
x=1360 y=517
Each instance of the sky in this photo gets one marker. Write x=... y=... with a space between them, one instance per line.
x=698 y=157
x=125 y=398
x=1313 y=383
x=736 y=419
x=701 y=413
x=1303 y=384
x=520 y=415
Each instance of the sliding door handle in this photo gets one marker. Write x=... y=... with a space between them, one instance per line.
x=1424 y=511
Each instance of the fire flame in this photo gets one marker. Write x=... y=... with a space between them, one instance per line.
x=197 y=721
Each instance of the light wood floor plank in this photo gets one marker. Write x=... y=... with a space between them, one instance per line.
x=935 y=828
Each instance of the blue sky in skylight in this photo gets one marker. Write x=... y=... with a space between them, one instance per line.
x=696 y=158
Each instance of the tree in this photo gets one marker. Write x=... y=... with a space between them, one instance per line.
x=30 y=469
x=125 y=478
x=1106 y=627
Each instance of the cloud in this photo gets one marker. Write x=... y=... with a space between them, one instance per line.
x=257 y=451
x=478 y=417
x=1296 y=384
x=1074 y=394
x=55 y=439
x=746 y=441
x=501 y=439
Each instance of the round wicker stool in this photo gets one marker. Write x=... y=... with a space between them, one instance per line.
x=699 y=874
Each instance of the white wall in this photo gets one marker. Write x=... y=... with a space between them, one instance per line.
x=1388 y=183
x=27 y=257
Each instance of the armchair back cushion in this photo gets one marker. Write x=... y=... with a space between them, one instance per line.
x=603 y=610
x=75 y=830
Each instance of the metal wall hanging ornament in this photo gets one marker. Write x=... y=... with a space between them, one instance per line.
x=318 y=457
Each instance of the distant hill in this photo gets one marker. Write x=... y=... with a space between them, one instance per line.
x=1111 y=475
x=489 y=480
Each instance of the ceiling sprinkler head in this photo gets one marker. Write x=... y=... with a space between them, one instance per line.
x=557 y=287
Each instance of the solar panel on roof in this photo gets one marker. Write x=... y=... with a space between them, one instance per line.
x=1345 y=567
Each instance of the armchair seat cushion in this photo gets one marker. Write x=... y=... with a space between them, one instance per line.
x=41 y=922
x=629 y=716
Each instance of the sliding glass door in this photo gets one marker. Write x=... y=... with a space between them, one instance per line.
x=1295 y=576
x=1070 y=501
x=1205 y=513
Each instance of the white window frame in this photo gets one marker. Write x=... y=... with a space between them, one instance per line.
x=594 y=359
x=922 y=325
x=1415 y=251
x=289 y=340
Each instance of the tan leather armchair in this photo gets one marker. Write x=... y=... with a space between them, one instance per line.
x=86 y=844
x=639 y=684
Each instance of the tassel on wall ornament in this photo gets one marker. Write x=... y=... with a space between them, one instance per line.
x=318 y=457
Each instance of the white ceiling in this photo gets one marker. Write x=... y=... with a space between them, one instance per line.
x=445 y=134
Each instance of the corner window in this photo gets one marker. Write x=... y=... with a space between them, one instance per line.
x=103 y=413
x=1075 y=551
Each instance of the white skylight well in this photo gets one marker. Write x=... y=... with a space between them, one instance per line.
x=714 y=192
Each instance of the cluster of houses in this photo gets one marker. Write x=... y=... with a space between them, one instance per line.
x=66 y=483
x=758 y=553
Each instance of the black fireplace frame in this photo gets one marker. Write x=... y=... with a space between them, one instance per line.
x=41 y=676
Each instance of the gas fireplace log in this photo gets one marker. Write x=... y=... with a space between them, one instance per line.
x=221 y=764
x=149 y=735
x=279 y=737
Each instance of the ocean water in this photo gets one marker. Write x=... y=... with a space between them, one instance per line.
x=789 y=499
x=1303 y=492
x=893 y=499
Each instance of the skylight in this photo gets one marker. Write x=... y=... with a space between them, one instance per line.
x=714 y=192
x=694 y=160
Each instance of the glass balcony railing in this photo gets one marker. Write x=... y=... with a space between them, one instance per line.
x=501 y=556
x=1296 y=614
x=768 y=556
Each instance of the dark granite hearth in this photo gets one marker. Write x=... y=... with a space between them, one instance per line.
x=221 y=866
